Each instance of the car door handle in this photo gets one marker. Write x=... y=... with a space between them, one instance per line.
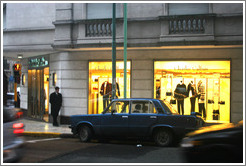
x=124 y=116
x=153 y=117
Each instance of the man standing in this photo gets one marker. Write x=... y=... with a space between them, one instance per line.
x=56 y=102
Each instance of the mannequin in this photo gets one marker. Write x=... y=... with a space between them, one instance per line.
x=180 y=94
x=201 y=99
x=105 y=91
x=192 y=88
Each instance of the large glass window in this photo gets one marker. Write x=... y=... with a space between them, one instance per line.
x=100 y=84
x=195 y=86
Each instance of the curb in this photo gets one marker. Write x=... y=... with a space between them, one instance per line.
x=47 y=134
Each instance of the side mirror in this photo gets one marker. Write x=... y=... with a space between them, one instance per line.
x=113 y=112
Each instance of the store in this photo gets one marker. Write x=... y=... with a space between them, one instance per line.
x=100 y=84
x=38 y=88
x=205 y=85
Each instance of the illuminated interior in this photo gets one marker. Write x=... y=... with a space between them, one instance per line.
x=213 y=75
x=99 y=73
x=38 y=93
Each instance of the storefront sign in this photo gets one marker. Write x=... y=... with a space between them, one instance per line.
x=38 y=62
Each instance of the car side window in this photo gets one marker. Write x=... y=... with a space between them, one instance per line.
x=145 y=107
x=119 y=107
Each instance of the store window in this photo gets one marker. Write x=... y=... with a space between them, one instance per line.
x=195 y=86
x=100 y=84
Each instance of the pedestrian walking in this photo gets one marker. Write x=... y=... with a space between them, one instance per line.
x=56 y=102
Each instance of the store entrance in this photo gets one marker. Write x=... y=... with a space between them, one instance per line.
x=38 y=93
x=100 y=84
x=205 y=84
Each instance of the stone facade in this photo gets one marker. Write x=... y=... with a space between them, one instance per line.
x=62 y=31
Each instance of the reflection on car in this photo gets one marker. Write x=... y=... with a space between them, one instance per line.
x=12 y=131
x=221 y=143
x=136 y=118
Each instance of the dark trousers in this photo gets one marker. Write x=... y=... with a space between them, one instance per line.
x=105 y=101
x=180 y=104
x=55 y=123
x=192 y=104
x=202 y=110
x=54 y=113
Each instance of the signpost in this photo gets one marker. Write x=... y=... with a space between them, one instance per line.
x=113 y=54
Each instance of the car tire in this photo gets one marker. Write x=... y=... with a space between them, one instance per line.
x=163 y=137
x=85 y=134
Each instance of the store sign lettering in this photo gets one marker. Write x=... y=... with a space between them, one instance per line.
x=199 y=67
x=38 y=62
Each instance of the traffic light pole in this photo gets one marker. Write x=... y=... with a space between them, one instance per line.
x=113 y=54
x=15 y=90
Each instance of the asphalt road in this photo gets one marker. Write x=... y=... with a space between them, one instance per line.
x=71 y=150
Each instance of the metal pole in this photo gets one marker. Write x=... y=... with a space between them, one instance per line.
x=113 y=54
x=125 y=50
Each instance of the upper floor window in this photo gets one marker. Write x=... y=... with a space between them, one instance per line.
x=102 y=10
x=188 y=8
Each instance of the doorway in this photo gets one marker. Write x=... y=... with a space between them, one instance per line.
x=38 y=93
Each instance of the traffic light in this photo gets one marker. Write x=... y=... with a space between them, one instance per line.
x=17 y=70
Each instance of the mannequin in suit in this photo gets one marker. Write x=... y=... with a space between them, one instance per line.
x=192 y=88
x=180 y=94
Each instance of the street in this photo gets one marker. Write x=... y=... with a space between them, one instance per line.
x=71 y=150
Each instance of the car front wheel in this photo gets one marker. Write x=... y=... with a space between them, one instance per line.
x=85 y=134
x=163 y=137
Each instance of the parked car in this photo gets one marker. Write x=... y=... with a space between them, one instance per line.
x=12 y=130
x=136 y=118
x=215 y=144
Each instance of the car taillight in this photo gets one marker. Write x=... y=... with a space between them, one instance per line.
x=18 y=128
x=19 y=115
x=18 y=125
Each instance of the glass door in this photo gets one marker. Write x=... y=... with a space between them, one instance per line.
x=38 y=93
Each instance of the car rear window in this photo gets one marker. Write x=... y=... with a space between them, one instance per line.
x=168 y=108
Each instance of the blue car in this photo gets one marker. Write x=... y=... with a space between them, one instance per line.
x=136 y=118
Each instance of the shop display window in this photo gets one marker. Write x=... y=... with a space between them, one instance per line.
x=195 y=86
x=100 y=84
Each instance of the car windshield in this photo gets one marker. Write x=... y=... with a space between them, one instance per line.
x=168 y=107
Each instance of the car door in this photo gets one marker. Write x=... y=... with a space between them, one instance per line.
x=140 y=121
x=114 y=122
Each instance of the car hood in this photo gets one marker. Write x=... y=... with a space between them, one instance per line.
x=214 y=128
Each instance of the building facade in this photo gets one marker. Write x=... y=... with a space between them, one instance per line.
x=69 y=45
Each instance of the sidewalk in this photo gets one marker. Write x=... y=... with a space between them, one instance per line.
x=44 y=129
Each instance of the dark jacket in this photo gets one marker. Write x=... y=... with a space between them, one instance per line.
x=192 y=88
x=180 y=91
x=56 y=102
x=108 y=89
